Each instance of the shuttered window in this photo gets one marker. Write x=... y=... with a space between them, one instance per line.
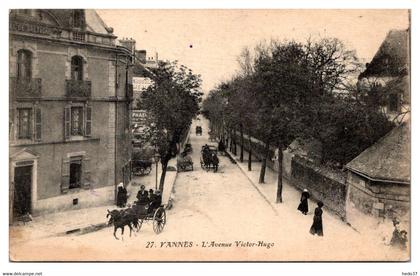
x=88 y=121
x=65 y=175
x=24 y=64
x=86 y=172
x=75 y=173
x=77 y=120
x=67 y=117
x=38 y=123
x=24 y=123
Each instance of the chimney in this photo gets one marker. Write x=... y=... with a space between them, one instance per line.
x=128 y=43
x=141 y=55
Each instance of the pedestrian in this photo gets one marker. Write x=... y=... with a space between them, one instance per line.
x=121 y=195
x=142 y=196
x=303 y=206
x=316 y=227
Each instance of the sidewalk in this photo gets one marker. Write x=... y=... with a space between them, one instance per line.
x=334 y=227
x=268 y=190
x=88 y=219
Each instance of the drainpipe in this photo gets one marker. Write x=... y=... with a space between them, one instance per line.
x=115 y=128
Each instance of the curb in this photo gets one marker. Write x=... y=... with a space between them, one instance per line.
x=253 y=184
x=85 y=230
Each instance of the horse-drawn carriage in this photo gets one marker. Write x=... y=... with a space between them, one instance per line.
x=184 y=163
x=198 y=130
x=141 y=161
x=209 y=159
x=134 y=216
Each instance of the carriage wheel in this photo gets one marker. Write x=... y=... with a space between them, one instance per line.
x=159 y=220
x=147 y=170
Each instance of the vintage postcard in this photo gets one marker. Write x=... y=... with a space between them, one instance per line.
x=209 y=135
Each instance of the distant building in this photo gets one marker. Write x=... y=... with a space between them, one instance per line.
x=70 y=95
x=379 y=178
x=390 y=70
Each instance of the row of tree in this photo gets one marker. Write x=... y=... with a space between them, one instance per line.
x=287 y=90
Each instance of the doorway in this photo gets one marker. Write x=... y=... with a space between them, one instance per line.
x=22 y=191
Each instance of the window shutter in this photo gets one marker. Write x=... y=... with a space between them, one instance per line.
x=67 y=118
x=65 y=175
x=88 y=121
x=37 y=123
x=86 y=172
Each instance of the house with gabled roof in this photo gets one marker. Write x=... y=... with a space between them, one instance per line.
x=379 y=178
x=390 y=70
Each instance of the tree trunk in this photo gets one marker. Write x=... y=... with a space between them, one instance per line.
x=264 y=163
x=250 y=154
x=279 y=198
x=164 y=164
x=231 y=141
x=241 y=157
x=234 y=143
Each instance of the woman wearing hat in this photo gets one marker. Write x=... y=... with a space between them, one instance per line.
x=316 y=227
x=303 y=206
x=121 y=195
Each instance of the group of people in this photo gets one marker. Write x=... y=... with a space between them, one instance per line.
x=399 y=237
x=316 y=228
x=153 y=199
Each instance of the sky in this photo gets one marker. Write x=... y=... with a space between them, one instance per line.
x=209 y=41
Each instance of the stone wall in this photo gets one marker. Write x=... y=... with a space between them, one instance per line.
x=323 y=184
x=378 y=199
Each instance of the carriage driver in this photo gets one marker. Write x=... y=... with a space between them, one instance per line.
x=142 y=196
x=155 y=201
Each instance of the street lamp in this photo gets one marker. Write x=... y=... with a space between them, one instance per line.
x=156 y=157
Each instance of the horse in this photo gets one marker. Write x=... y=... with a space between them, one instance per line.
x=122 y=218
x=214 y=161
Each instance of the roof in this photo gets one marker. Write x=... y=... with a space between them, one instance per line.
x=392 y=57
x=94 y=23
x=388 y=160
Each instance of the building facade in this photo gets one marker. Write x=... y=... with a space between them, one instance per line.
x=69 y=97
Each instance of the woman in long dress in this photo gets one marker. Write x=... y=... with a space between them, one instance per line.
x=303 y=206
x=316 y=227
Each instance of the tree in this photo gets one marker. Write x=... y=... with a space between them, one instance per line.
x=172 y=101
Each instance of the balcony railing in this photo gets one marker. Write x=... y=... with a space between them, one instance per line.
x=26 y=87
x=78 y=88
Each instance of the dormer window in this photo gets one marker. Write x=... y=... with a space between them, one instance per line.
x=77 y=19
x=77 y=68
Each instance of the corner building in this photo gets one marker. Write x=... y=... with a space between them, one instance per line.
x=69 y=97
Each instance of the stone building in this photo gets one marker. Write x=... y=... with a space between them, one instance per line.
x=69 y=97
x=379 y=179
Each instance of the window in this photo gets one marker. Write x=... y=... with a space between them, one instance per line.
x=77 y=121
x=75 y=172
x=77 y=68
x=77 y=19
x=24 y=123
x=75 y=179
x=24 y=64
